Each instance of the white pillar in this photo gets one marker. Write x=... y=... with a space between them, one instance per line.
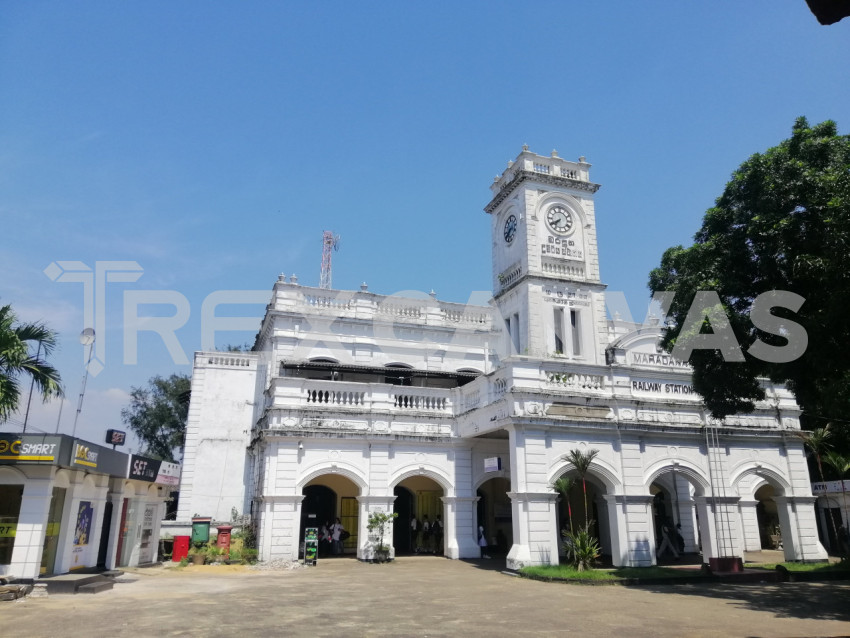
x=535 y=527
x=32 y=527
x=280 y=527
x=750 y=525
x=799 y=530
x=632 y=529
x=461 y=539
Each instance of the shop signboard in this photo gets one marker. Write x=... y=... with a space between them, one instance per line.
x=143 y=468
x=39 y=449
x=96 y=457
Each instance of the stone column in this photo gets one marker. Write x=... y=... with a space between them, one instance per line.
x=281 y=521
x=750 y=525
x=535 y=528
x=632 y=531
x=799 y=530
x=533 y=504
x=719 y=524
x=461 y=538
x=31 y=530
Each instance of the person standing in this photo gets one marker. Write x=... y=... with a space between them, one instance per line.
x=437 y=531
x=482 y=541
x=426 y=534
x=336 y=534
x=414 y=534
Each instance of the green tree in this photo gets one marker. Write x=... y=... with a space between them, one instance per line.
x=782 y=223
x=563 y=486
x=157 y=415
x=581 y=461
x=24 y=348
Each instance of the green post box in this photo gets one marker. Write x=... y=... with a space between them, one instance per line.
x=201 y=530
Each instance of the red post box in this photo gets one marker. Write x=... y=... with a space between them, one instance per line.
x=181 y=548
x=223 y=541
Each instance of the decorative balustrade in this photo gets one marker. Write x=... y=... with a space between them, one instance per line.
x=465 y=316
x=336 y=397
x=574 y=270
x=420 y=402
x=297 y=393
x=330 y=301
x=575 y=381
x=510 y=275
x=399 y=310
x=231 y=360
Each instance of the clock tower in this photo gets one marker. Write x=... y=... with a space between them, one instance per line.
x=545 y=260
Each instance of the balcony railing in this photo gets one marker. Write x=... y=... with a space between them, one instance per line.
x=289 y=392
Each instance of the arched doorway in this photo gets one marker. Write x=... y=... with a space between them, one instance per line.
x=494 y=515
x=767 y=515
x=675 y=517
x=572 y=515
x=326 y=498
x=419 y=498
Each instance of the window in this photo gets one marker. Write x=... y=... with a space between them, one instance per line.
x=559 y=331
x=575 y=325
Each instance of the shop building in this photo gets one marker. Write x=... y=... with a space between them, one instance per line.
x=68 y=504
x=353 y=402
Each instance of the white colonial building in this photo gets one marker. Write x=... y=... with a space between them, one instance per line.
x=353 y=402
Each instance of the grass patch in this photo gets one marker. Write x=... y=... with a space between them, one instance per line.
x=802 y=567
x=567 y=571
x=620 y=573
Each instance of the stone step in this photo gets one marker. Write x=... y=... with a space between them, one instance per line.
x=95 y=588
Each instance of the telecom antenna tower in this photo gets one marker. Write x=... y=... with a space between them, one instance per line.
x=330 y=243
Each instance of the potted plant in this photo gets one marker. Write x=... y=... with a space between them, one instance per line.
x=377 y=524
x=197 y=554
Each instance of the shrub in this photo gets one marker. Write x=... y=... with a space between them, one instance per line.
x=581 y=547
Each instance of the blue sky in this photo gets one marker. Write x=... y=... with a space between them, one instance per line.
x=212 y=143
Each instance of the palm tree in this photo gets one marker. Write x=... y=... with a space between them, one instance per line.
x=581 y=461
x=563 y=485
x=17 y=341
x=818 y=442
x=841 y=465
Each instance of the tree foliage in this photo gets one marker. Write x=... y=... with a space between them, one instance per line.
x=24 y=348
x=157 y=415
x=782 y=223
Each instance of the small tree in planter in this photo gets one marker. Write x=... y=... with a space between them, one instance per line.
x=378 y=522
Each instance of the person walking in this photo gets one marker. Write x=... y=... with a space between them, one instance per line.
x=666 y=542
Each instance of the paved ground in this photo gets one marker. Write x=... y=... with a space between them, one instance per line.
x=422 y=596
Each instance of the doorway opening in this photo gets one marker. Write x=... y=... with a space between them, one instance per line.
x=420 y=527
x=495 y=515
x=327 y=498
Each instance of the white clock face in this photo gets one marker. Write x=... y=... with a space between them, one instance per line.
x=510 y=229
x=560 y=220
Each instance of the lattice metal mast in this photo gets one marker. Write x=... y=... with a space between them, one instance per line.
x=330 y=243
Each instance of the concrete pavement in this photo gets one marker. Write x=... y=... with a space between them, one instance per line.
x=422 y=596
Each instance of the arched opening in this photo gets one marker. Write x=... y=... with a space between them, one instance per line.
x=572 y=514
x=494 y=515
x=767 y=515
x=675 y=520
x=327 y=498
x=420 y=527
x=405 y=507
